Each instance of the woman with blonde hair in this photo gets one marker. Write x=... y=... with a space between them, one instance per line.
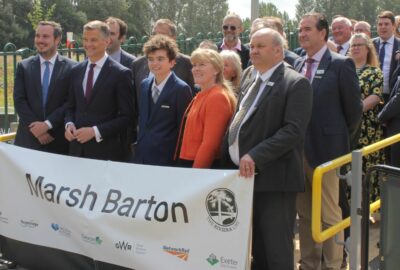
x=207 y=116
x=232 y=69
x=362 y=51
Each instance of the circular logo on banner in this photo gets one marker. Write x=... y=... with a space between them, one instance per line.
x=222 y=208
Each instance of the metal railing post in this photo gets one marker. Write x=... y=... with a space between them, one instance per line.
x=355 y=210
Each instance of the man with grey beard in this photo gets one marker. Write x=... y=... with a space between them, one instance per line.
x=231 y=28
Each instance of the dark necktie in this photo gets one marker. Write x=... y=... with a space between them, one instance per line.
x=309 y=62
x=382 y=54
x=45 y=83
x=239 y=116
x=339 y=48
x=89 y=82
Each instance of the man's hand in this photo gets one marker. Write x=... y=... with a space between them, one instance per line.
x=38 y=128
x=246 y=166
x=84 y=134
x=70 y=132
x=45 y=138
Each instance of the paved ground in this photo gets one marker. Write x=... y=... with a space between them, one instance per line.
x=373 y=250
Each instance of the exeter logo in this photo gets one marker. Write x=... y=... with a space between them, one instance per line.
x=181 y=253
x=222 y=209
x=212 y=259
x=223 y=261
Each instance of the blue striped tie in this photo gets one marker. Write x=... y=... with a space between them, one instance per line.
x=45 y=83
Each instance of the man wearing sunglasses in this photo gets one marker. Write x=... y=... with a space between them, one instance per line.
x=231 y=28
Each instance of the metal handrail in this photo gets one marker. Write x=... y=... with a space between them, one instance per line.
x=7 y=137
x=322 y=235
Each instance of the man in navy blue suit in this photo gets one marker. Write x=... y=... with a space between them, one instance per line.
x=101 y=102
x=164 y=99
x=336 y=115
x=40 y=93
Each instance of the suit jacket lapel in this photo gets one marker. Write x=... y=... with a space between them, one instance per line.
x=144 y=105
x=103 y=75
x=275 y=77
x=393 y=62
x=36 y=75
x=80 y=94
x=57 y=70
x=299 y=64
x=321 y=69
x=164 y=93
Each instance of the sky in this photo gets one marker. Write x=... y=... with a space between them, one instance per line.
x=243 y=7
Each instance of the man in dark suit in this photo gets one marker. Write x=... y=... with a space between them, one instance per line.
x=40 y=93
x=231 y=29
x=182 y=68
x=387 y=47
x=118 y=30
x=100 y=105
x=336 y=115
x=265 y=141
x=390 y=116
x=164 y=98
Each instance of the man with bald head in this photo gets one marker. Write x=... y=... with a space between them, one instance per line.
x=363 y=27
x=341 y=32
x=265 y=142
x=275 y=23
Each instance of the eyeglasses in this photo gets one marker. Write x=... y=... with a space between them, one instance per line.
x=230 y=27
x=358 y=45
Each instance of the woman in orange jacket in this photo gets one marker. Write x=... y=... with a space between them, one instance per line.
x=208 y=115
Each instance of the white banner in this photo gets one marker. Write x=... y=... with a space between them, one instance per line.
x=141 y=217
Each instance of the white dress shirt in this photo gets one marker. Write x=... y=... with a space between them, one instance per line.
x=386 y=62
x=234 y=148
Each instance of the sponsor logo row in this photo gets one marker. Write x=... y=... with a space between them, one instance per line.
x=213 y=260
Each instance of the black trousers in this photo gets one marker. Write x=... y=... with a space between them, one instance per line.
x=274 y=216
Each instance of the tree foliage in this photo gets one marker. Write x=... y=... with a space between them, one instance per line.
x=365 y=10
x=269 y=9
x=40 y=12
x=190 y=16
x=10 y=28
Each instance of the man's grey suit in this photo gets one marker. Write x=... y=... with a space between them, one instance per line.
x=28 y=102
x=273 y=136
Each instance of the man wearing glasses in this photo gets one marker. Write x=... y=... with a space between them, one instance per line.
x=231 y=28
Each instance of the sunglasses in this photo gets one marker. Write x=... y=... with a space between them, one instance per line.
x=230 y=27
